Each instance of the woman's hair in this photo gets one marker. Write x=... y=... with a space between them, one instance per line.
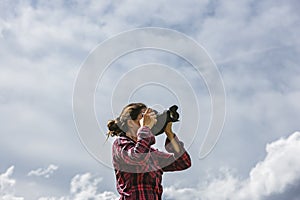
x=119 y=125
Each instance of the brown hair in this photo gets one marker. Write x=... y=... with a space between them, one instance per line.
x=119 y=125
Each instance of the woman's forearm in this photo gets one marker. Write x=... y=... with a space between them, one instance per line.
x=174 y=143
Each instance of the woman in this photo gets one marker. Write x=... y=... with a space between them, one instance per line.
x=138 y=166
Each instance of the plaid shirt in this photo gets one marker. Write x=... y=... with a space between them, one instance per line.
x=139 y=167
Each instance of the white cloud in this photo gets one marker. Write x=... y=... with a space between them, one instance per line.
x=46 y=172
x=84 y=186
x=7 y=185
x=280 y=168
x=36 y=79
x=279 y=171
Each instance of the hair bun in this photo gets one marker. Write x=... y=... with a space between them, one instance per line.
x=112 y=125
x=113 y=128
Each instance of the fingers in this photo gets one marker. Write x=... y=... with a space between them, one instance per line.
x=149 y=112
x=153 y=117
x=149 y=117
x=152 y=114
x=146 y=112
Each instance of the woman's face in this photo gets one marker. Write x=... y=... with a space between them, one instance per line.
x=140 y=116
x=134 y=125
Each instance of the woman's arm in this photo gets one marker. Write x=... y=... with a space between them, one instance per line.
x=135 y=153
x=138 y=153
x=177 y=158
x=181 y=159
x=170 y=135
x=173 y=145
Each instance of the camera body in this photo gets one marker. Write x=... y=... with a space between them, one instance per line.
x=170 y=115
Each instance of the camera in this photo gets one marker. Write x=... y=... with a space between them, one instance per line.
x=170 y=115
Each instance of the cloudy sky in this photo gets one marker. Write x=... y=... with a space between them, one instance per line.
x=254 y=45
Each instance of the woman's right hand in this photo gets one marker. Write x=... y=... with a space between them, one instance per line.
x=148 y=119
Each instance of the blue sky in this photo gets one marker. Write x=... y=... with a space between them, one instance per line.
x=254 y=44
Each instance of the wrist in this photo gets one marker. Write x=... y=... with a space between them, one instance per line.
x=170 y=134
x=145 y=126
x=148 y=126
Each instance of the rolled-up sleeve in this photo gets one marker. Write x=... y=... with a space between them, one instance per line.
x=181 y=159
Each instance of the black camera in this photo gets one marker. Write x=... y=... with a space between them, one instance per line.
x=170 y=115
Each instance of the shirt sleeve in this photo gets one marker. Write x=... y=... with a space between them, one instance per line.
x=136 y=153
x=174 y=161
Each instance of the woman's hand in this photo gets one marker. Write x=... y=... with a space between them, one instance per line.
x=148 y=119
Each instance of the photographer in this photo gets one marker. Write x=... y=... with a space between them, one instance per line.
x=138 y=166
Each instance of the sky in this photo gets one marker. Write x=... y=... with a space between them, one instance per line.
x=254 y=45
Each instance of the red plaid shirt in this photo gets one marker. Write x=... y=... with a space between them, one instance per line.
x=139 y=168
